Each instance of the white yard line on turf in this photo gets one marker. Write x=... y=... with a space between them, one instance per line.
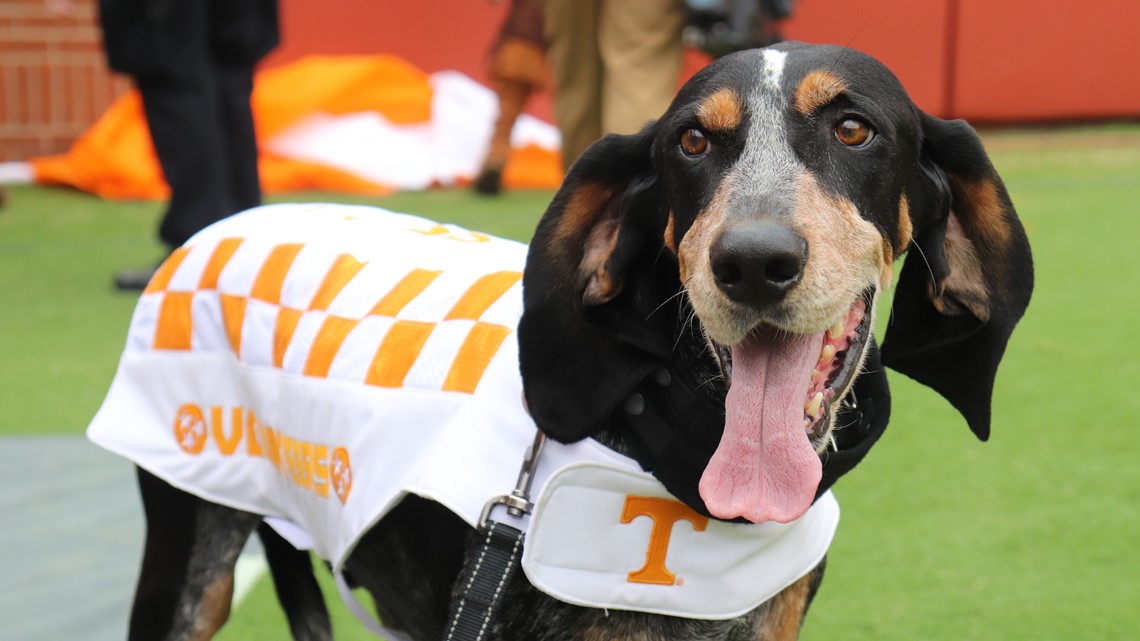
x=250 y=568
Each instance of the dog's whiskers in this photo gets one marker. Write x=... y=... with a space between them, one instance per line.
x=712 y=379
x=664 y=303
x=929 y=269
x=686 y=325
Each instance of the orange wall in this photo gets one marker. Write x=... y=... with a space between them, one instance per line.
x=1040 y=60
x=998 y=61
x=1015 y=60
x=433 y=34
x=908 y=36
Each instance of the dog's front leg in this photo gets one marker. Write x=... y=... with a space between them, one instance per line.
x=784 y=614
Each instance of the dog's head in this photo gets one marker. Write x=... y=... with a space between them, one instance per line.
x=766 y=208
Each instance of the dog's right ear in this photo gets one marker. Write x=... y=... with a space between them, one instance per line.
x=587 y=334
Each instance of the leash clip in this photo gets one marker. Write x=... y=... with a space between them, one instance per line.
x=496 y=560
x=518 y=501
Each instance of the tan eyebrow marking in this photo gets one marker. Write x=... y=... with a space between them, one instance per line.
x=720 y=111
x=906 y=227
x=817 y=89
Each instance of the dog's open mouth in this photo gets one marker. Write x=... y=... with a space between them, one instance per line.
x=782 y=388
x=838 y=364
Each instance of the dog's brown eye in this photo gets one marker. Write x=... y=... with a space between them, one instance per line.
x=853 y=132
x=694 y=143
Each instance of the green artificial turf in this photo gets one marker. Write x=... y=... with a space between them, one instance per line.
x=1032 y=535
x=61 y=325
x=260 y=618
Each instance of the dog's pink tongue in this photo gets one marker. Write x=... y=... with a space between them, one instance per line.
x=765 y=468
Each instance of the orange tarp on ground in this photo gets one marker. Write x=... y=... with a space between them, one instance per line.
x=115 y=158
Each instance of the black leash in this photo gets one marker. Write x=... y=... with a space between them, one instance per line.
x=490 y=568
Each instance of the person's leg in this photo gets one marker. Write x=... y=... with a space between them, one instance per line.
x=187 y=146
x=178 y=115
x=177 y=98
x=234 y=85
x=572 y=48
x=517 y=69
x=512 y=99
x=181 y=116
x=641 y=51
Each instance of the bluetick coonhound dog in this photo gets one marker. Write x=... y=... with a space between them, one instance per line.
x=699 y=296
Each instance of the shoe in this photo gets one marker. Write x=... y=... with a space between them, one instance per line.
x=489 y=182
x=134 y=280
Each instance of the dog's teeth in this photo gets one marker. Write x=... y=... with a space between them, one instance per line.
x=835 y=331
x=814 y=405
x=828 y=353
x=816 y=375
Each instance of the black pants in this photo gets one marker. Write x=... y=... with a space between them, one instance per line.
x=192 y=61
x=202 y=128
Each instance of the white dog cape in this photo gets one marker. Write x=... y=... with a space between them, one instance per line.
x=317 y=363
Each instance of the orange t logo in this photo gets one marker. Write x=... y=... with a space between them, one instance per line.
x=664 y=513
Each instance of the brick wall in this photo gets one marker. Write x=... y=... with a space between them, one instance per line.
x=54 y=81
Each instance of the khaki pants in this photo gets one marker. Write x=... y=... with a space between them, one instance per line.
x=616 y=65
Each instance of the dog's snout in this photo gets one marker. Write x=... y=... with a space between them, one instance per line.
x=757 y=263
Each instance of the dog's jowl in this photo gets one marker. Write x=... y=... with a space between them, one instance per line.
x=690 y=328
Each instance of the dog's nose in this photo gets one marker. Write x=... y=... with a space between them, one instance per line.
x=757 y=262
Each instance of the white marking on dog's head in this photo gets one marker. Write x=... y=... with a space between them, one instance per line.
x=774 y=67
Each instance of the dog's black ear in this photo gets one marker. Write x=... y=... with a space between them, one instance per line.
x=963 y=289
x=588 y=333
